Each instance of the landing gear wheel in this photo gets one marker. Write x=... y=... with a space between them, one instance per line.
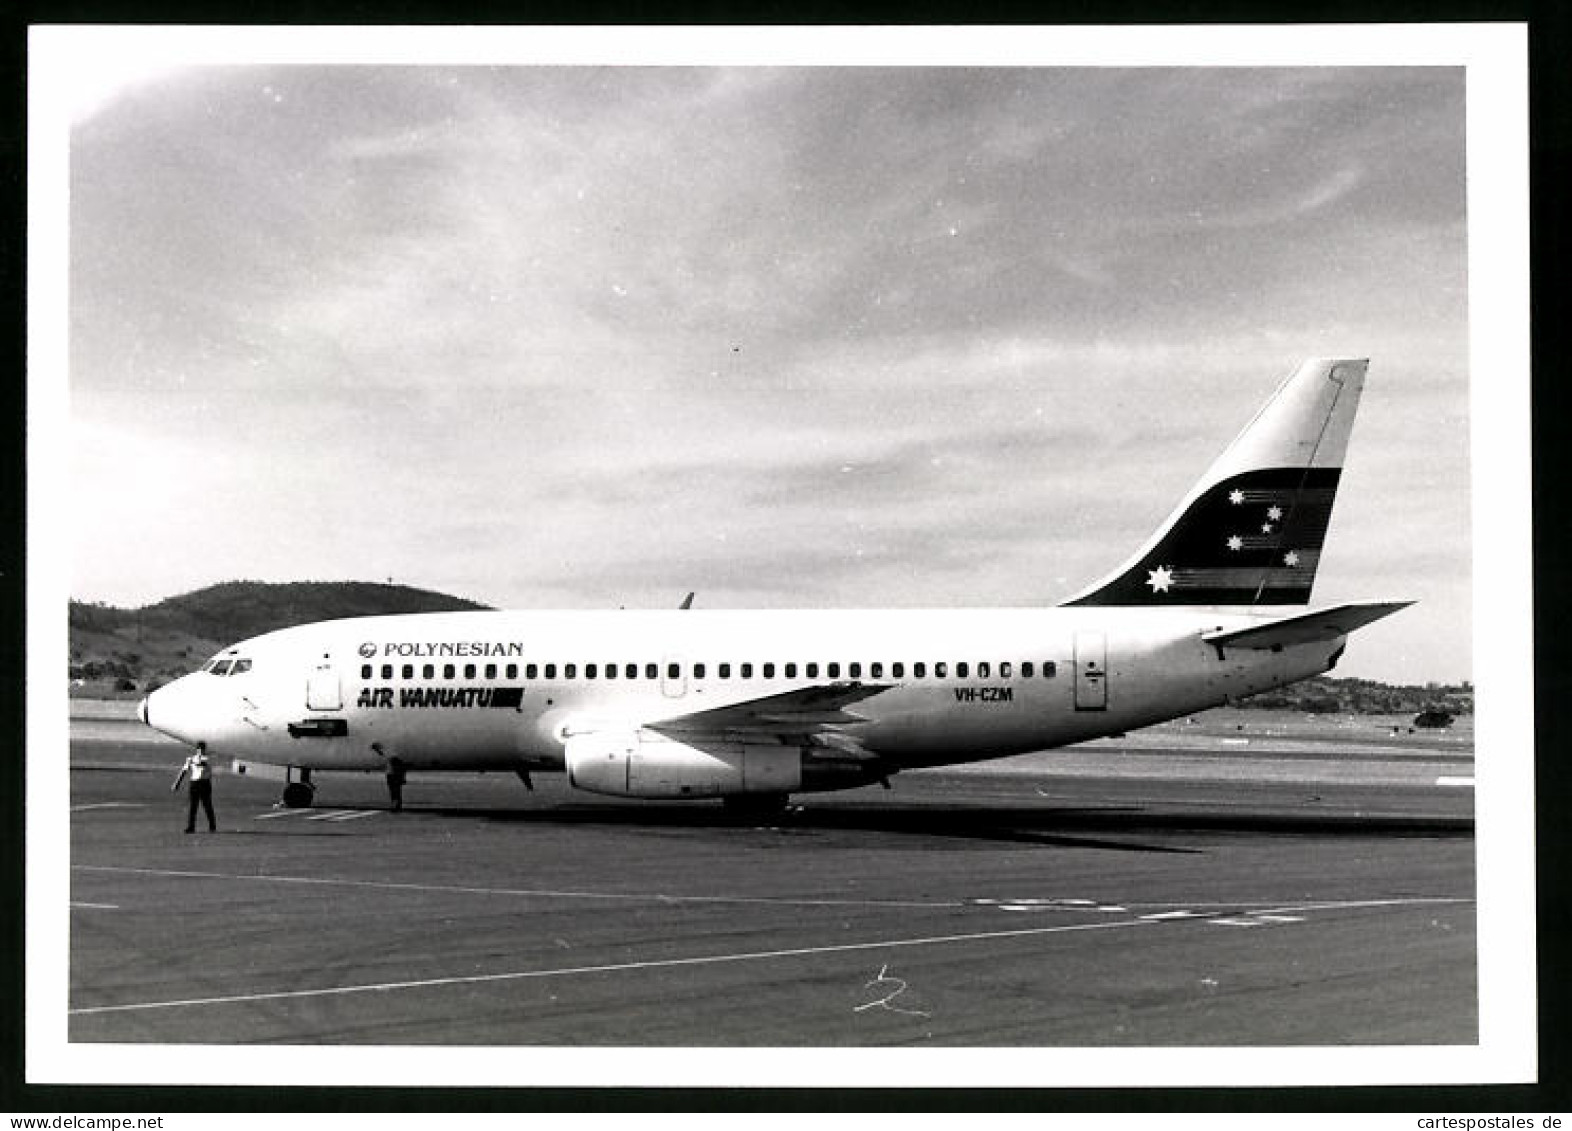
x=298 y=795
x=756 y=806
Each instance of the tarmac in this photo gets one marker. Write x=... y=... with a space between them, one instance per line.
x=1176 y=888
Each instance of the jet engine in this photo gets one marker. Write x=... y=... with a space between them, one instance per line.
x=645 y=764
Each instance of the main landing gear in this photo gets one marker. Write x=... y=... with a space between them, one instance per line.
x=298 y=794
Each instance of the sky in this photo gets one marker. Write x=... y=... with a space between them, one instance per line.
x=591 y=336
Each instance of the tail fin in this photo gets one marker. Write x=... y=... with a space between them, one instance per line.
x=1250 y=532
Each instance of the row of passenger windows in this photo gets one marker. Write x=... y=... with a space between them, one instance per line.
x=941 y=669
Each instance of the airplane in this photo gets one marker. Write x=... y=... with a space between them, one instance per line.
x=754 y=706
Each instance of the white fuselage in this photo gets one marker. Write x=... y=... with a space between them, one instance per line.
x=506 y=690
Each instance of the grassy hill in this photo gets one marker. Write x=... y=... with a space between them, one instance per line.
x=1324 y=695
x=123 y=651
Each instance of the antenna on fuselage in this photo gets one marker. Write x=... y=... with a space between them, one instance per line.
x=687 y=602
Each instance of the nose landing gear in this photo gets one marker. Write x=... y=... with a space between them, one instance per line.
x=298 y=794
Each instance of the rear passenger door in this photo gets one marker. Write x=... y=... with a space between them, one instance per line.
x=1091 y=671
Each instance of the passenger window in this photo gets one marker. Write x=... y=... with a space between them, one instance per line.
x=791 y=671
x=469 y=671
x=919 y=670
x=854 y=669
x=833 y=670
x=1004 y=669
x=491 y=671
x=428 y=672
x=769 y=671
x=876 y=670
x=551 y=671
x=673 y=671
x=513 y=671
x=449 y=671
x=631 y=671
x=961 y=670
x=530 y=671
x=611 y=671
x=747 y=671
x=982 y=669
x=698 y=670
x=813 y=671
x=1049 y=668
x=898 y=670
x=570 y=671
x=365 y=671
x=589 y=671
x=939 y=670
x=387 y=671
x=651 y=671
x=725 y=671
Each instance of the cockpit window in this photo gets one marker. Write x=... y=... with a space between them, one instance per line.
x=240 y=666
x=221 y=668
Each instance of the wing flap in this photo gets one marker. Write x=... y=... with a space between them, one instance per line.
x=1306 y=628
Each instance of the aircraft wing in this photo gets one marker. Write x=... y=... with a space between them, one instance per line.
x=1306 y=628
x=792 y=717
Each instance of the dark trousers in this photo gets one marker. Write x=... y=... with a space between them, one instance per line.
x=201 y=791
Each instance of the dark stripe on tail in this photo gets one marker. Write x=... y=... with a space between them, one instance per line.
x=1253 y=539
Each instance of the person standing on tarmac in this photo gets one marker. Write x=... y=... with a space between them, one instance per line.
x=201 y=792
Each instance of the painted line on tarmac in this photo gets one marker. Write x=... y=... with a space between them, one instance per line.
x=108 y=805
x=610 y=968
x=96 y=906
x=549 y=893
x=1459 y=780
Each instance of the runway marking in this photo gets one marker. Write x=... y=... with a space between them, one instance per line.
x=609 y=968
x=268 y=816
x=107 y=805
x=342 y=814
x=631 y=897
x=1464 y=781
x=96 y=906
x=1050 y=905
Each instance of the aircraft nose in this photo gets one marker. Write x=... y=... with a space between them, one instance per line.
x=180 y=710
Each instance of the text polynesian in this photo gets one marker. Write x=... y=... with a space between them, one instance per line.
x=478 y=648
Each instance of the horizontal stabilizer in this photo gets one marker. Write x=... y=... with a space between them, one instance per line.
x=1306 y=628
